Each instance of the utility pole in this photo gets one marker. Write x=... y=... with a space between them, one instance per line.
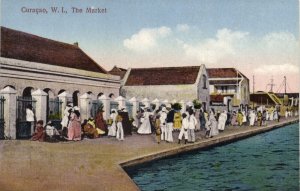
x=271 y=84
x=284 y=84
x=253 y=84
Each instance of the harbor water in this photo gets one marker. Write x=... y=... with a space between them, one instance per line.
x=268 y=161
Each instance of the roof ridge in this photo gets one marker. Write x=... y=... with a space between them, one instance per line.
x=166 y=67
x=37 y=36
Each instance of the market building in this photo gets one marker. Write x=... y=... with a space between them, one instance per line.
x=29 y=62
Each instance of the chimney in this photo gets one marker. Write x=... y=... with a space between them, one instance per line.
x=76 y=44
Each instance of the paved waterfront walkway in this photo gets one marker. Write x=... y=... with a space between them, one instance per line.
x=92 y=164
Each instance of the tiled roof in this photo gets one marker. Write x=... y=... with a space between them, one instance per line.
x=222 y=82
x=118 y=71
x=23 y=46
x=224 y=73
x=162 y=76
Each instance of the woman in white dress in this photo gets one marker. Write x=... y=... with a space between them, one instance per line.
x=145 y=127
x=67 y=114
x=112 y=129
x=252 y=117
x=213 y=125
x=222 y=121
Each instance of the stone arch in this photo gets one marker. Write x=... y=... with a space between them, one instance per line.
x=93 y=96
x=75 y=97
x=27 y=91
x=61 y=91
x=111 y=95
x=13 y=87
x=99 y=95
x=50 y=92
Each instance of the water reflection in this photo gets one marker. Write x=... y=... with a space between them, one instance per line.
x=264 y=162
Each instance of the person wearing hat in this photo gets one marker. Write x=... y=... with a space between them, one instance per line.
x=163 y=123
x=192 y=122
x=112 y=128
x=39 y=134
x=145 y=127
x=170 y=122
x=184 y=129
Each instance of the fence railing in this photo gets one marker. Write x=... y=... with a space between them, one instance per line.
x=22 y=126
x=129 y=107
x=2 y=123
x=114 y=105
x=95 y=106
x=54 y=111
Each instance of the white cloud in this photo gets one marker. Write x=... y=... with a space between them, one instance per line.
x=182 y=28
x=146 y=38
x=213 y=49
x=277 y=69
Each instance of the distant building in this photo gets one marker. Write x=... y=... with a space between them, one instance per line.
x=179 y=83
x=117 y=71
x=29 y=62
x=228 y=87
x=289 y=99
x=266 y=99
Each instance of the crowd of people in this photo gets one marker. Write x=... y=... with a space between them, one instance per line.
x=162 y=122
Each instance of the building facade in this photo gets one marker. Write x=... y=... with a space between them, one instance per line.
x=171 y=83
x=228 y=87
x=30 y=62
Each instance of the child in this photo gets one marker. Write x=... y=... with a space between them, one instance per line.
x=184 y=129
x=39 y=134
x=157 y=128
x=120 y=131
x=52 y=135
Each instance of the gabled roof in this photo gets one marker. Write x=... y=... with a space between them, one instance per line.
x=163 y=76
x=23 y=46
x=118 y=71
x=224 y=73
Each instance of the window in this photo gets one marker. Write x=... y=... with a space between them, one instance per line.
x=204 y=81
x=224 y=89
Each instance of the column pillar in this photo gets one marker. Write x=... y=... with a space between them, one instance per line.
x=182 y=102
x=10 y=106
x=121 y=101
x=85 y=106
x=41 y=104
x=146 y=102
x=106 y=106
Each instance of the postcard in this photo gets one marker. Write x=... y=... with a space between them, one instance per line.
x=149 y=95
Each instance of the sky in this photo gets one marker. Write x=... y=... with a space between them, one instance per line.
x=258 y=37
